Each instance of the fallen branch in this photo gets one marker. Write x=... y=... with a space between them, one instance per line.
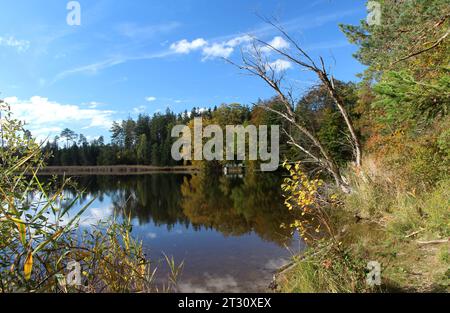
x=433 y=242
x=414 y=233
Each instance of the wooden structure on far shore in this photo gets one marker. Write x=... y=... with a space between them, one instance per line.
x=233 y=169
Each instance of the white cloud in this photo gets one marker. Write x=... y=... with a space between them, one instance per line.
x=280 y=65
x=93 y=104
x=224 y=48
x=12 y=42
x=90 y=68
x=43 y=133
x=44 y=117
x=150 y=99
x=151 y=235
x=94 y=68
x=278 y=43
x=217 y=50
x=184 y=46
x=238 y=40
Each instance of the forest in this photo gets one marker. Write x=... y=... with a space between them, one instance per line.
x=147 y=140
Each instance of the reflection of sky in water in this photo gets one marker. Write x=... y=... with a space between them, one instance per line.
x=213 y=262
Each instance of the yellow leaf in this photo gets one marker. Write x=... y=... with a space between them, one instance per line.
x=28 y=266
x=142 y=269
x=22 y=232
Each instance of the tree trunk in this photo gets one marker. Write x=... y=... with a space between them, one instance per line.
x=340 y=104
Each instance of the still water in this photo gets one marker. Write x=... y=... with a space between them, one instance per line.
x=225 y=229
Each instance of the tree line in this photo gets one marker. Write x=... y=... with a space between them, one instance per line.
x=144 y=141
x=147 y=139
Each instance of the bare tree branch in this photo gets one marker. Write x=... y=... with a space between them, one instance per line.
x=324 y=77
x=257 y=63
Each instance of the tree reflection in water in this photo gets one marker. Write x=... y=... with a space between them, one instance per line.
x=205 y=200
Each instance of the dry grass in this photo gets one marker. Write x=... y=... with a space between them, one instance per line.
x=381 y=222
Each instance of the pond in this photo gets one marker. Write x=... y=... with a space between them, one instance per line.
x=226 y=229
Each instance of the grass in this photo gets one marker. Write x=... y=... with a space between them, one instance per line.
x=404 y=231
x=324 y=268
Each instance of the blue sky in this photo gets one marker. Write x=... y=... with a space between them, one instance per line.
x=128 y=57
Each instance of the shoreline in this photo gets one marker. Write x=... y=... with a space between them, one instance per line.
x=116 y=170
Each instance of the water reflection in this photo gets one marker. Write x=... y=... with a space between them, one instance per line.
x=226 y=229
x=237 y=206
x=231 y=205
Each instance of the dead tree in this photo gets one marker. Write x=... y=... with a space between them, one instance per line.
x=256 y=62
